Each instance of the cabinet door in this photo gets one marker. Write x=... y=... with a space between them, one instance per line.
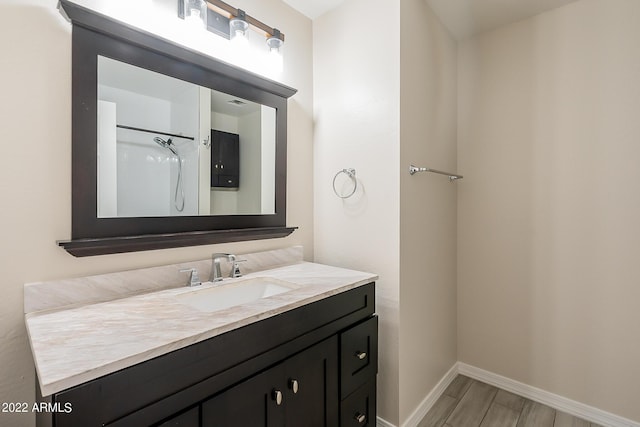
x=311 y=398
x=252 y=403
x=308 y=387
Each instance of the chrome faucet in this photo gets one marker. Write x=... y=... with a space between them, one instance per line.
x=216 y=275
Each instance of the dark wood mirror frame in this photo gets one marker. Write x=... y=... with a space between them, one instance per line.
x=93 y=35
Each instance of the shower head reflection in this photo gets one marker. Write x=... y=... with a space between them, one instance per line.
x=165 y=144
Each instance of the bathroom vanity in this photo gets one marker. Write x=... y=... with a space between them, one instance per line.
x=304 y=357
x=141 y=349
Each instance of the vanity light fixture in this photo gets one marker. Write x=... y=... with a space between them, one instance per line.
x=238 y=27
x=195 y=12
x=274 y=42
x=232 y=23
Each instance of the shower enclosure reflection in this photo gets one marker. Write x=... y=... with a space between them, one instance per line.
x=155 y=147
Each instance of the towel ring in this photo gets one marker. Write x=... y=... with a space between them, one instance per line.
x=351 y=173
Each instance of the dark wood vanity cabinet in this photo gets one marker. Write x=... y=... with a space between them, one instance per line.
x=190 y=418
x=313 y=366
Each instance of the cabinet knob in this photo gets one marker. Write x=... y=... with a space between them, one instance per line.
x=294 y=386
x=277 y=396
x=361 y=418
x=361 y=355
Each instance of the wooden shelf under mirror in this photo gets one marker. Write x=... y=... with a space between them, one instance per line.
x=112 y=245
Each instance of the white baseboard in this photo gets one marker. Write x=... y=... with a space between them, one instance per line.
x=428 y=402
x=563 y=404
x=383 y=423
x=555 y=401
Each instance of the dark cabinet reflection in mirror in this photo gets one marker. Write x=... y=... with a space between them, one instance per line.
x=225 y=159
x=144 y=111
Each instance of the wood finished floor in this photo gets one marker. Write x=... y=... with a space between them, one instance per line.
x=471 y=403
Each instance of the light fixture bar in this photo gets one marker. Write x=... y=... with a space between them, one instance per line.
x=221 y=7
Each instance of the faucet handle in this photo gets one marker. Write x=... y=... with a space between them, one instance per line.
x=194 y=278
x=235 y=268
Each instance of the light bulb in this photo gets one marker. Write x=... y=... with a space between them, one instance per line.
x=240 y=42
x=276 y=62
x=238 y=30
x=195 y=13
x=274 y=44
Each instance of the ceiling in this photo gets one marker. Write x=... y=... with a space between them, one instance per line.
x=463 y=18
x=314 y=8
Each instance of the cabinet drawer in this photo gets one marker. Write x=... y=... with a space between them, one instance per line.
x=358 y=355
x=359 y=409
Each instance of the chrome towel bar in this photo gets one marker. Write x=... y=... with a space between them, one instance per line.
x=452 y=177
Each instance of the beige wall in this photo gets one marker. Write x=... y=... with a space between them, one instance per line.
x=428 y=82
x=35 y=178
x=381 y=101
x=356 y=96
x=548 y=276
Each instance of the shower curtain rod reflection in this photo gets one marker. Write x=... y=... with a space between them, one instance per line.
x=155 y=131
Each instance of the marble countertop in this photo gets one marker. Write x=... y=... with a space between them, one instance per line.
x=74 y=345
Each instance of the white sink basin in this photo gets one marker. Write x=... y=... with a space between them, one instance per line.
x=227 y=295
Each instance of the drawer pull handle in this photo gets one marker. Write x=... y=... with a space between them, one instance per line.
x=277 y=396
x=294 y=386
x=361 y=418
x=361 y=355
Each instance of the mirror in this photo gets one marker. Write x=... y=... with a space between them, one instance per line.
x=170 y=147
